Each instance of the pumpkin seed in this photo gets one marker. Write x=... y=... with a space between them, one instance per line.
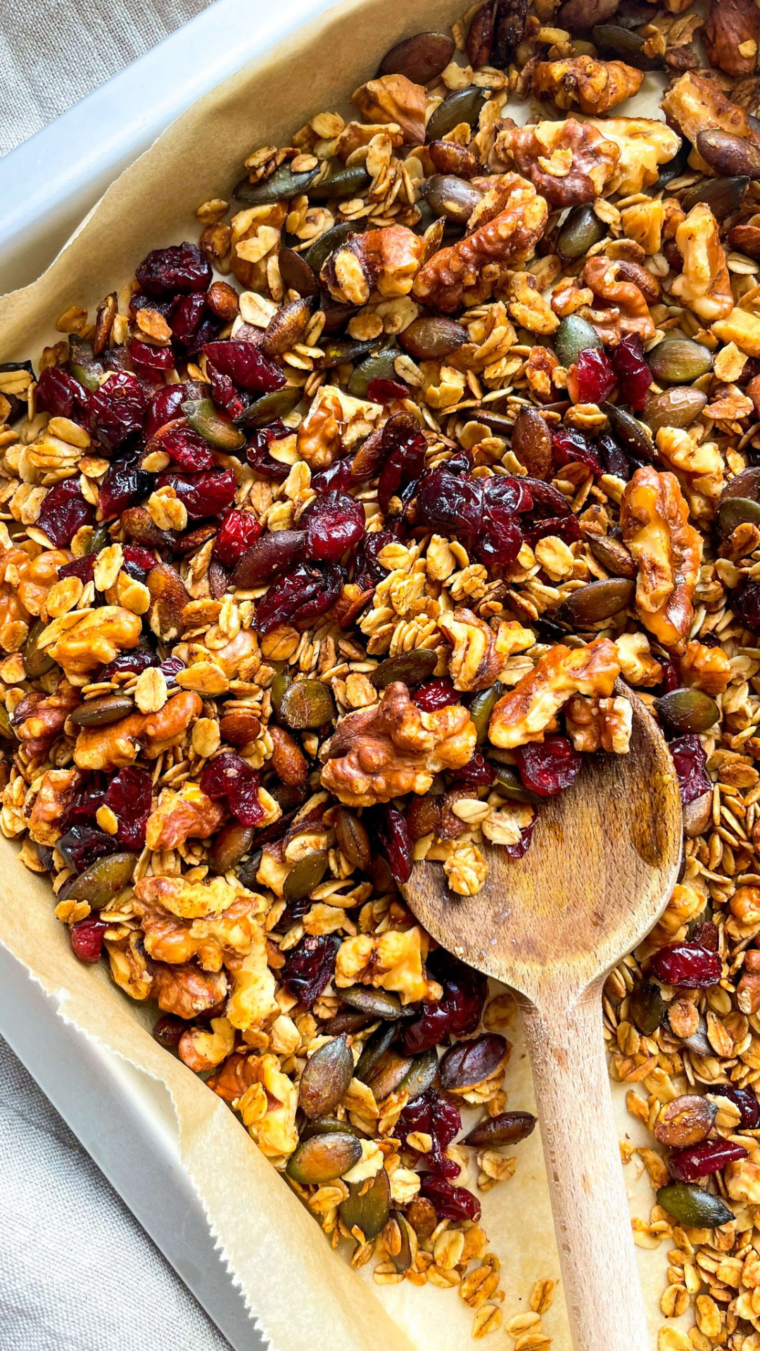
x=600 y=600
x=685 y=1121
x=407 y=1252
x=621 y=44
x=482 y=707
x=632 y=434
x=327 y=243
x=505 y=1129
x=270 y=406
x=687 y=710
x=737 y=511
x=580 y=232
x=103 y=880
x=422 y=1074
x=729 y=156
x=451 y=197
x=328 y=1125
x=203 y=417
x=432 y=337
x=379 y=367
x=646 y=1007
x=420 y=58
x=462 y=105
x=37 y=660
x=679 y=361
x=470 y=1062
x=307 y=703
x=574 y=335
x=389 y=1074
x=612 y=555
x=353 y=841
x=305 y=876
x=409 y=667
x=343 y=182
x=229 y=846
x=722 y=195
x=340 y=350
x=100 y=539
x=296 y=273
x=83 y=364
x=279 y=185
x=674 y=408
x=326 y=1077
x=324 y=1157
x=374 y=1048
x=367 y=1210
x=509 y=784
x=99 y=712
x=379 y=1003
x=282 y=682
x=746 y=484
x=692 y=1205
x=286 y=328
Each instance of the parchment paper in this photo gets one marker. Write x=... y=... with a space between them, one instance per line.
x=304 y=1295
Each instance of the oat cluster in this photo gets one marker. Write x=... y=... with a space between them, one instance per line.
x=323 y=547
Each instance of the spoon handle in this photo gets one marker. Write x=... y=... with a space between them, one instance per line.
x=591 y=1216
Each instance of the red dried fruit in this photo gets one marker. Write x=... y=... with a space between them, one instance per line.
x=310 y=967
x=168 y=1029
x=238 y=532
x=182 y=267
x=403 y=449
x=125 y=485
x=633 y=373
x=478 y=772
x=523 y=844
x=572 y=447
x=165 y=406
x=86 y=938
x=705 y=935
x=389 y=831
x=82 y=845
x=60 y=394
x=204 y=494
x=694 y=1162
x=337 y=476
x=305 y=594
x=385 y=391
x=134 y=662
x=230 y=778
x=743 y=1098
x=225 y=393
x=185 y=317
x=185 y=447
x=480 y=510
x=438 y=1117
x=246 y=365
x=450 y=1203
x=746 y=605
x=566 y=527
x=436 y=693
x=369 y=571
x=63 y=512
x=83 y=568
x=129 y=795
x=334 y=523
x=591 y=378
x=149 y=358
x=687 y=965
x=258 y=455
x=458 y=1012
x=138 y=561
x=117 y=410
x=267 y=556
x=548 y=767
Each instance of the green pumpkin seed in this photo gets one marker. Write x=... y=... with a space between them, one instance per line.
x=270 y=406
x=409 y=667
x=338 y=351
x=679 y=361
x=406 y=1255
x=229 y=846
x=432 y=337
x=378 y=1003
x=600 y=600
x=373 y=1049
x=574 y=335
x=327 y=243
x=422 y=1075
x=100 y=539
x=722 y=195
x=6 y=730
x=687 y=710
x=279 y=185
x=343 y=182
x=354 y=844
x=324 y=1157
x=737 y=511
x=37 y=660
x=326 y=1077
x=100 y=712
x=281 y=683
x=389 y=1074
x=616 y=43
x=509 y=784
x=692 y=1205
x=307 y=703
x=451 y=197
x=420 y=58
x=380 y=367
x=505 y=1129
x=632 y=434
x=367 y=1210
x=674 y=408
x=646 y=1007
x=203 y=417
x=482 y=707
x=103 y=880
x=463 y=105
x=305 y=876
x=580 y=232
x=328 y=1125
x=296 y=273
x=83 y=364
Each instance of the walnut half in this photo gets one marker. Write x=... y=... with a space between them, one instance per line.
x=528 y=710
x=567 y=162
x=596 y=86
x=654 y=519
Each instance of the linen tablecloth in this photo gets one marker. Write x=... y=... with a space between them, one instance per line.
x=77 y=1273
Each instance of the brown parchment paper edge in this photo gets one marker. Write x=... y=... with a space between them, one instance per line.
x=305 y=1297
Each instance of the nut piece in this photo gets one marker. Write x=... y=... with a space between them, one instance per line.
x=288 y=760
x=697 y=103
x=654 y=519
x=525 y=712
x=619 y=283
x=187 y=991
x=39 y=718
x=599 y=724
x=253 y=989
x=467 y=272
x=389 y=961
x=24 y=586
x=54 y=796
x=383 y=262
x=731 y=36
x=567 y=162
x=119 y=743
x=705 y=668
x=334 y=422
x=179 y=816
x=704 y=284
x=393 y=98
x=479 y=653
x=79 y=644
x=202 y=1050
x=392 y=748
x=268 y=1108
x=188 y=900
x=214 y=941
x=643 y=144
x=596 y=85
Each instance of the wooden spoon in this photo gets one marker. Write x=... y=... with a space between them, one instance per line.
x=601 y=866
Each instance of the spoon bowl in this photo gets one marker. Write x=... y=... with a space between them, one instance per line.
x=603 y=861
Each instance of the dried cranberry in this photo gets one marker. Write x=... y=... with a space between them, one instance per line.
x=60 y=394
x=334 y=523
x=238 y=532
x=690 y=761
x=204 y=494
x=258 y=455
x=670 y=679
x=117 y=410
x=391 y=835
x=385 y=391
x=709 y=1156
x=438 y=1117
x=185 y=317
x=500 y=538
x=743 y=1098
x=86 y=938
x=148 y=357
x=459 y=1011
x=461 y=463
x=134 y=663
x=369 y=571
x=522 y=845
x=566 y=527
x=129 y=796
x=84 y=807
x=403 y=450
x=705 y=935
x=63 y=512
x=613 y=459
x=632 y=371
x=436 y=693
x=591 y=378
x=125 y=485
x=229 y=777
x=187 y=448
x=478 y=771
x=450 y=503
x=138 y=561
x=182 y=267
x=687 y=965
x=305 y=594
x=83 y=568
x=165 y=406
x=550 y=766
x=310 y=967
x=337 y=476
x=168 y=1029
x=572 y=447
x=449 y=1202
x=246 y=365
x=81 y=845
x=170 y=667
x=746 y=605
